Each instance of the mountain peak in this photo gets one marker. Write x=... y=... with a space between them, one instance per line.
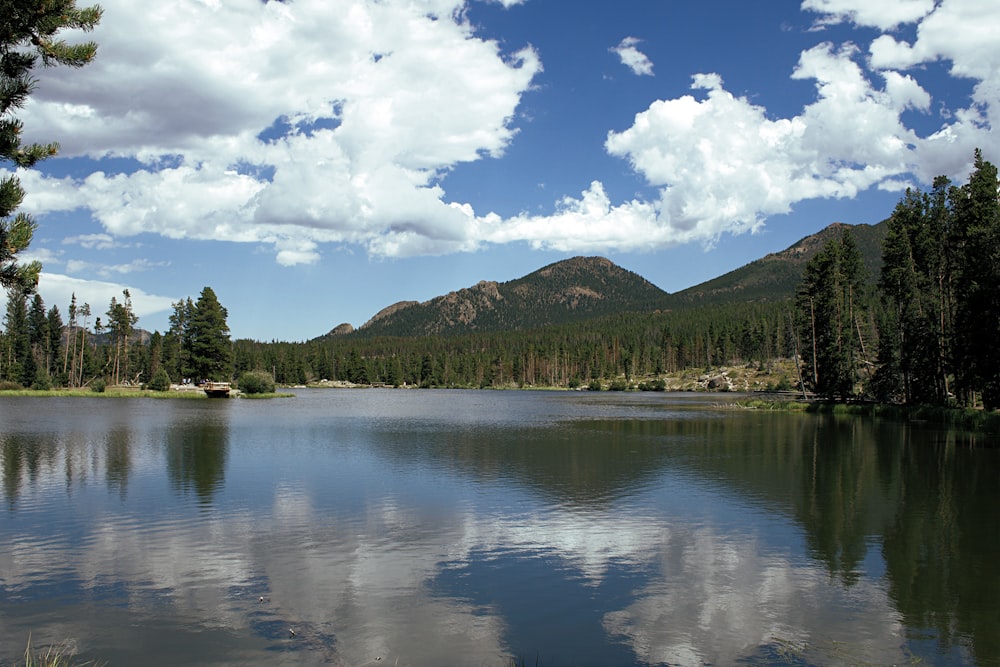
x=566 y=291
x=582 y=288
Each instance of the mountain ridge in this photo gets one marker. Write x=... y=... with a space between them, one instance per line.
x=582 y=288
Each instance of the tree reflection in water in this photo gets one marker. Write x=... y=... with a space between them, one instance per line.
x=196 y=458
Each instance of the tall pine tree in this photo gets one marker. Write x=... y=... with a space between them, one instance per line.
x=209 y=347
x=830 y=302
x=912 y=352
x=28 y=32
x=976 y=261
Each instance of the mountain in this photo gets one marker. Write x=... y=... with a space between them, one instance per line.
x=776 y=276
x=572 y=290
x=583 y=288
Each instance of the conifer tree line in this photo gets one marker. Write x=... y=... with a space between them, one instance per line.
x=934 y=310
x=39 y=350
x=633 y=346
x=940 y=289
x=922 y=331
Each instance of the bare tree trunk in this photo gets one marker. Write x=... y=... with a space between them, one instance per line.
x=812 y=317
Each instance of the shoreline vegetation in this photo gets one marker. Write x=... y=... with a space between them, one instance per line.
x=59 y=655
x=768 y=387
x=176 y=392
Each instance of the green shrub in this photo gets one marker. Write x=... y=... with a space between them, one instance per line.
x=160 y=381
x=8 y=385
x=618 y=385
x=98 y=385
x=256 y=382
x=595 y=385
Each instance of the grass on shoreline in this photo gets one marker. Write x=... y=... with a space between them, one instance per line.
x=54 y=656
x=111 y=392
x=124 y=392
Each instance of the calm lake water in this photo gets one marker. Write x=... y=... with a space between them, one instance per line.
x=469 y=528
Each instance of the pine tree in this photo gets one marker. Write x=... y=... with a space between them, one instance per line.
x=54 y=344
x=911 y=351
x=174 y=354
x=976 y=260
x=28 y=34
x=121 y=322
x=211 y=353
x=830 y=299
x=20 y=364
x=38 y=334
x=82 y=312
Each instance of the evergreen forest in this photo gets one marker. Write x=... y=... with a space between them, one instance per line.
x=920 y=327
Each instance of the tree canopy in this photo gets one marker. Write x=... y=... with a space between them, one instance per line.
x=210 y=350
x=28 y=33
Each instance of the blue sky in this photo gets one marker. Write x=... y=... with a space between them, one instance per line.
x=315 y=161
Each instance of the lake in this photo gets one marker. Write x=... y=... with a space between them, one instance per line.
x=438 y=527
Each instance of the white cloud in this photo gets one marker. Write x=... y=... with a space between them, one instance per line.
x=291 y=252
x=41 y=254
x=714 y=596
x=108 y=270
x=378 y=101
x=633 y=58
x=883 y=15
x=723 y=164
x=588 y=224
x=43 y=194
x=94 y=241
x=57 y=290
x=294 y=125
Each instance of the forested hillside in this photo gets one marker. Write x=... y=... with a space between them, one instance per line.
x=569 y=291
x=568 y=323
x=632 y=345
x=776 y=276
x=904 y=311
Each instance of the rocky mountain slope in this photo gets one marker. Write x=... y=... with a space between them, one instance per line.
x=582 y=288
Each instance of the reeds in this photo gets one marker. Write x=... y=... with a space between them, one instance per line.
x=59 y=655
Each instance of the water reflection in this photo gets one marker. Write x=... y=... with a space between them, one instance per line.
x=196 y=453
x=641 y=535
x=942 y=552
x=118 y=459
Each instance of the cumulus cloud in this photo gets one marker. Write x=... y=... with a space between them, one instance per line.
x=714 y=596
x=882 y=15
x=58 y=289
x=295 y=125
x=633 y=58
x=722 y=164
x=284 y=123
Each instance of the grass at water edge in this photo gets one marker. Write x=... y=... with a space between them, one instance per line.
x=59 y=655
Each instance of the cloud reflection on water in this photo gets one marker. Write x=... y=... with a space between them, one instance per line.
x=364 y=566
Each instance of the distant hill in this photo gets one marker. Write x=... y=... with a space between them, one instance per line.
x=572 y=290
x=584 y=288
x=776 y=276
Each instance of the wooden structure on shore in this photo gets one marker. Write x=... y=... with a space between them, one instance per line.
x=216 y=389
